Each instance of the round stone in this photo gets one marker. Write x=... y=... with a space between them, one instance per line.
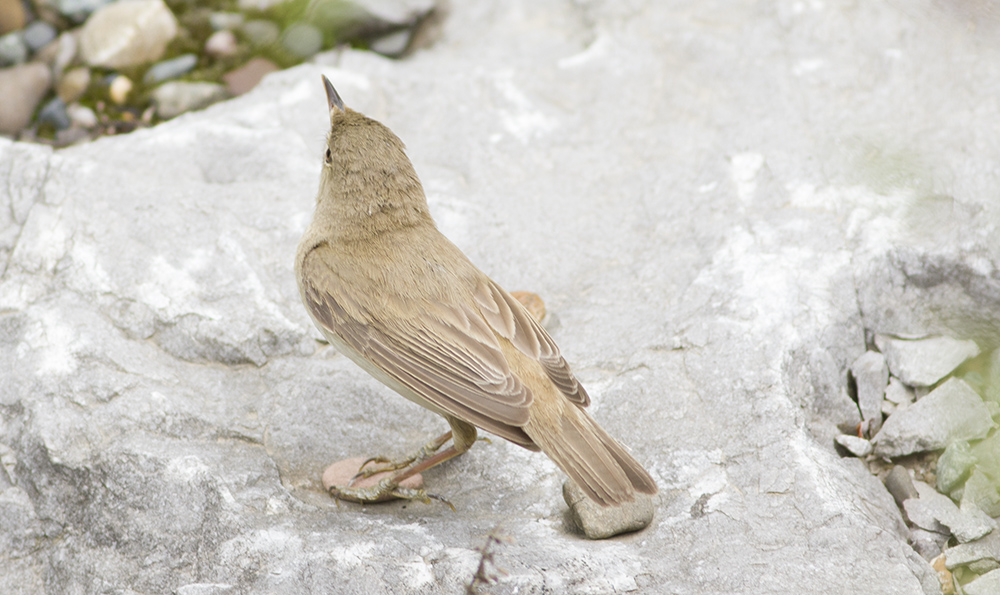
x=302 y=40
x=127 y=34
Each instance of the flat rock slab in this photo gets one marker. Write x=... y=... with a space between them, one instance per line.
x=953 y=411
x=963 y=554
x=987 y=584
x=923 y=362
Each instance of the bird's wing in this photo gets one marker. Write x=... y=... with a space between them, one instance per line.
x=512 y=321
x=450 y=358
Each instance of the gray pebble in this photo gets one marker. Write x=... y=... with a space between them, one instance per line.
x=81 y=116
x=261 y=32
x=900 y=484
x=968 y=524
x=928 y=544
x=923 y=362
x=23 y=87
x=987 y=584
x=601 y=522
x=963 y=554
x=225 y=20
x=392 y=45
x=78 y=10
x=13 y=50
x=858 y=447
x=54 y=113
x=170 y=69
x=951 y=412
x=302 y=40
x=38 y=35
x=221 y=43
x=898 y=393
x=954 y=465
x=174 y=98
x=871 y=376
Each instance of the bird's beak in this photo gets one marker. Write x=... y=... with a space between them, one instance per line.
x=336 y=103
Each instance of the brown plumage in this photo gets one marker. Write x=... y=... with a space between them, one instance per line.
x=394 y=295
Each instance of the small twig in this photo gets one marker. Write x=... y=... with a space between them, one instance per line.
x=488 y=572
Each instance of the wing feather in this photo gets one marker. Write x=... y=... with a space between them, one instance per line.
x=512 y=321
x=450 y=357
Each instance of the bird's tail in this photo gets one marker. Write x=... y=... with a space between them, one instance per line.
x=592 y=458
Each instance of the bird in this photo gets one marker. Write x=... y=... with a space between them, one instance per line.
x=392 y=293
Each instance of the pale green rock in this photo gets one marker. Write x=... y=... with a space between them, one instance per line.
x=954 y=466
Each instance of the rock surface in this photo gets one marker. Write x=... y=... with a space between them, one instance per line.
x=953 y=411
x=987 y=584
x=923 y=362
x=714 y=199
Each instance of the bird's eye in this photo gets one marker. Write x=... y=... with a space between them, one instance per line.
x=328 y=157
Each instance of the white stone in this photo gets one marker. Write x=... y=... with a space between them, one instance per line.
x=126 y=34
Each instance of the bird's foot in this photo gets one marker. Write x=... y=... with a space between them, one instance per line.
x=381 y=464
x=387 y=489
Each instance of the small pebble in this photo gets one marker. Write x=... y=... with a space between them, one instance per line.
x=39 y=34
x=987 y=584
x=927 y=543
x=12 y=17
x=23 y=87
x=858 y=447
x=54 y=113
x=260 y=32
x=175 y=98
x=302 y=40
x=225 y=20
x=392 y=45
x=71 y=136
x=221 y=43
x=67 y=48
x=126 y=34
x=13 y=50
x=966 y=524
x=246 y=77
x=981 y=491
x=81 y=116
x=898 y=393
x=984 y=549
x=899 y=483
x=532 y=303
x=954 y=466
x=170 y=69
x=342 y=472
x=602 y=522
x=923 y=362
x=78 y=10
x=73 y=84
x=953 y=411
x=119 y=89
x=871 y=376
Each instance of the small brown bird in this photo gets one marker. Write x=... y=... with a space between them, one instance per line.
x=393 y=294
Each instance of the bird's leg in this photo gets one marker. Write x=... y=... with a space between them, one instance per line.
x=384 y=464
x=430 y=455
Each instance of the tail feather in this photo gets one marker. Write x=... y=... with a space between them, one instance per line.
x=593 y=459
